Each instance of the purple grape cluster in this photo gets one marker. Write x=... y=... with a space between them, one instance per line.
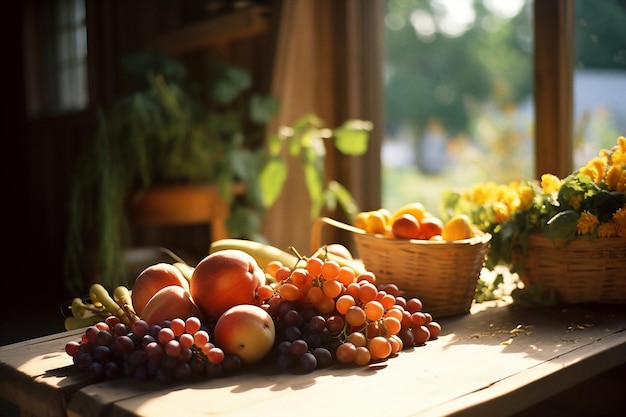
x=170 y=351
x=304 y=342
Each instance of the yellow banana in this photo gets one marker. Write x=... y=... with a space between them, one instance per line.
x=356 y=266
x=122 y=297
x=72 y=323
x=81 y=309
x=99 y=294
x=186 y=270
x=264 y=254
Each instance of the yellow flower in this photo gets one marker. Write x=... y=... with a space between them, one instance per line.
x=607 y=230
x=586 y=223
x=511 y=199
x=550 y=183
x=526 y=196
x=619 y=217
x=575 y=201
x=613 y=176
x=480 y=193
x=621 y=143
x=621 y=183
x=500 y=212
x=595 y=169
x=617 y=155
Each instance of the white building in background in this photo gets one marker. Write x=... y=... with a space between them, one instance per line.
x=601 y=89
x=599 y=97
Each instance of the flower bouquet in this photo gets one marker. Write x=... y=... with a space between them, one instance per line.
x=566 y=238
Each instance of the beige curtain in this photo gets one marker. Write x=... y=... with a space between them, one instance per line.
x=328 y=62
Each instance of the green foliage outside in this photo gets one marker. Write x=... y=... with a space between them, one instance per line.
x=478 y=86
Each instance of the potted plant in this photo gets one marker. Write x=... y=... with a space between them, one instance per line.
x=166 y=131
x=169 y=131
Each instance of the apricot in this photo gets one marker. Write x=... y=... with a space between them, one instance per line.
x=430 y=226
x=406 y=226
x=169 y=303
x=247 y=331
x=151 y=280
x=459 y=227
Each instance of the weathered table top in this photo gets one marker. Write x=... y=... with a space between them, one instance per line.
x=497 y=360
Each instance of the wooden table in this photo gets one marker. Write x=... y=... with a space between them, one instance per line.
x=495 y=361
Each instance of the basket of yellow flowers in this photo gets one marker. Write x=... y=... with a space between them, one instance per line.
x=566 y=237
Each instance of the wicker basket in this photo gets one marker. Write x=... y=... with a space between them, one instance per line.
x=443 y=275
x=583 y=271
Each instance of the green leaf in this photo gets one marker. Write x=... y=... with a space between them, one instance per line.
x=315 y=185
x=604 y=204
x=562 y=225
x=294 y=145
x=352 y=137
x=226 y=123
x=225 y=182
x=271 y=180
x=229 y=81
x=307 y=121
x=344 y=198
x=263 y=109
x=274 y=145
x=244 y=163
x=139 y=64
x=242 y=221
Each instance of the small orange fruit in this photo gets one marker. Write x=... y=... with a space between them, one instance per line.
x=375 y=223
x=416 y=209
x=457 y=228
x=386 y=215
x=405 y=227
x=360 y=220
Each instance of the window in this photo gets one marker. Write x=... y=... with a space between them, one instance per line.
x=599 y=76
x=460 y=98
x=57 y=58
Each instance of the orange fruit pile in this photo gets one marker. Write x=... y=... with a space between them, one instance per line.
x=413 y=221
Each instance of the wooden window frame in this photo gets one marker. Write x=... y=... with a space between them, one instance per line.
x=553 y=90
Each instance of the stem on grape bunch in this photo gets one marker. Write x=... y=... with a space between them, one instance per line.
x=297 y=253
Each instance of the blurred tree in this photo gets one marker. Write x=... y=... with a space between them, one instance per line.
x=599 y=39
x=434 y=68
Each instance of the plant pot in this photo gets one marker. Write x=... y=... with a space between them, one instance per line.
x=173 y=205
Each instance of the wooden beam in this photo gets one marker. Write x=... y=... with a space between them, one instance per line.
x=217 y=31
x=554 y=64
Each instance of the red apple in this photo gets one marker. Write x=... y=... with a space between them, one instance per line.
x=225 y=279
x=169 y=303
x=247 y=331
x=151 y=280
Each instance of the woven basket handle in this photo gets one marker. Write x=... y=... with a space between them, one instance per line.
x=316 y=230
